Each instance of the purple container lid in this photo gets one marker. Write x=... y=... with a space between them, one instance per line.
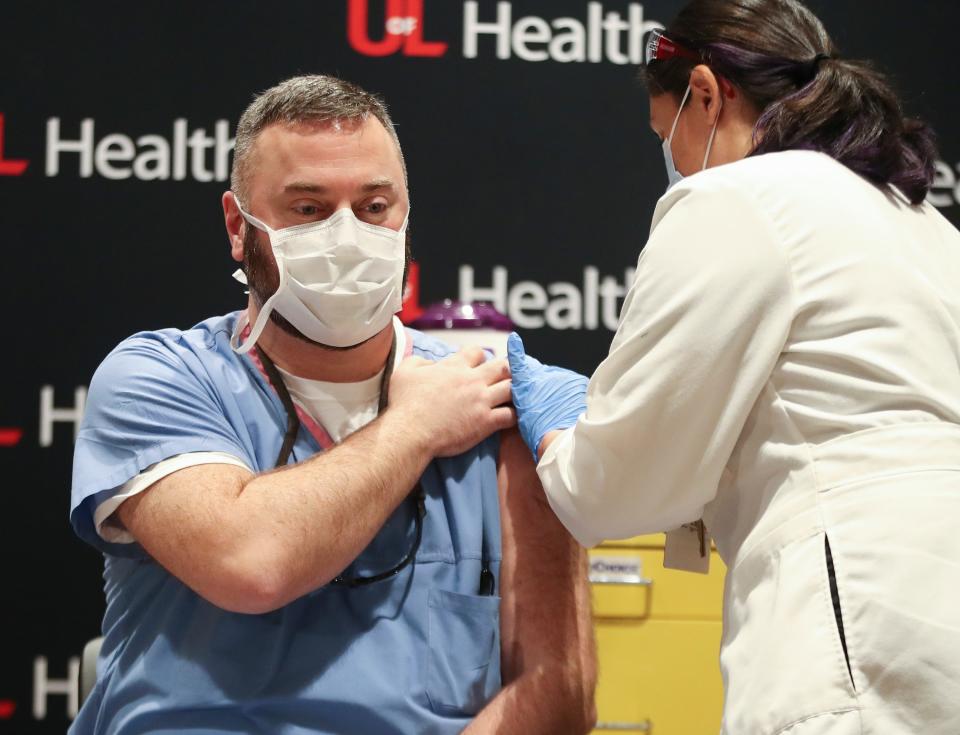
x=449 y=314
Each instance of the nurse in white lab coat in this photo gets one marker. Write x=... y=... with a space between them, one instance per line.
x=787 y=367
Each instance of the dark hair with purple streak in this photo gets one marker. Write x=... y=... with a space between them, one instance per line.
x=778 y=54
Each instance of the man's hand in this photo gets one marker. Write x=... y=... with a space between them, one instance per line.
x=453 y=404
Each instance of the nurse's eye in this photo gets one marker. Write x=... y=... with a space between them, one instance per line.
x=307 y=210
x=377 y=207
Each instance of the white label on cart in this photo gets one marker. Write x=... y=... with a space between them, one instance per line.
x=616 y=569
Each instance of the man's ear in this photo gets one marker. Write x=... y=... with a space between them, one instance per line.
x=234 y=223
x=707 y=92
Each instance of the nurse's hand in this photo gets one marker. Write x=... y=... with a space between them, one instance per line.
x=547 y=398
x=453 y=404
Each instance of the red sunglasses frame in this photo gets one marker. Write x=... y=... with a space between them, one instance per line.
x=661 y=48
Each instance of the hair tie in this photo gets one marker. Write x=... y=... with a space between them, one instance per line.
x=807 y=71
x=818 y=59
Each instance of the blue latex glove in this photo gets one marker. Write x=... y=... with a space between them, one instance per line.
x=547 y=398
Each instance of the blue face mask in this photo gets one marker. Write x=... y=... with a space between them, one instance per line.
x=674 y=177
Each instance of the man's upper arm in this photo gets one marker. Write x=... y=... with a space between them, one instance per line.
x=105 y=517
x=144 y=405
x=179 y=521
x=545 y=611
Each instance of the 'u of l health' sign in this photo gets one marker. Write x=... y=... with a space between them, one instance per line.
x=602 y=36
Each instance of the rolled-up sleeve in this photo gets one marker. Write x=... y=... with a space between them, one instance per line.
x=145 y=405
x=701 y=331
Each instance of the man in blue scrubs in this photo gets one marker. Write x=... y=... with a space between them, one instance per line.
x=314 y=520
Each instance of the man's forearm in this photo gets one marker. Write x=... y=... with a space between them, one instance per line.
x=314 y=519
x=253 y=544
x=335 y=503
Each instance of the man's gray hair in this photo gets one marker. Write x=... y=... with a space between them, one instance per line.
x=313 y=98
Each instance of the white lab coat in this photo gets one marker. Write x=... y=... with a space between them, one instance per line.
x=787 y=366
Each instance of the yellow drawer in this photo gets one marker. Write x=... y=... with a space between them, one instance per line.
x=659 y=677
x=653 y=540
x=637 y=586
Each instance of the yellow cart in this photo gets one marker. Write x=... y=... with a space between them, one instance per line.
x=658 y=638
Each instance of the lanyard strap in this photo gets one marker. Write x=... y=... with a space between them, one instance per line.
x=274 y=379
x=293 y=419
x=294 y=415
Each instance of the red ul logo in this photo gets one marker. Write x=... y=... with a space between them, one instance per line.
x=403 y=29
x=10 y=437
x=11 y=167
x=411 y=295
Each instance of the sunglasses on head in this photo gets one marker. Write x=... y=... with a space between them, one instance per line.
x=661 y=48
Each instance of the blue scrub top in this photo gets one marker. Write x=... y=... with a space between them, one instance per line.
x=419 y=653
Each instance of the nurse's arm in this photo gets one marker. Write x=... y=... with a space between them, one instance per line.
x=701 y=331
x=254 y=543
x=547 y=645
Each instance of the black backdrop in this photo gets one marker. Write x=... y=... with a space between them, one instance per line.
x=542 y=169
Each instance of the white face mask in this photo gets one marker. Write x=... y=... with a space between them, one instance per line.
x=674 y=177
x=341 y=280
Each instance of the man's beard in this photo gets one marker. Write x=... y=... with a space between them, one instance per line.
x=263 y=280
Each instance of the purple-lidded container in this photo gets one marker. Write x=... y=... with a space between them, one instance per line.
x=464 y=324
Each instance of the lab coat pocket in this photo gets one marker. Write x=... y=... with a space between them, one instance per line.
x=463 y=670
x=837 y=607
x=783 y=656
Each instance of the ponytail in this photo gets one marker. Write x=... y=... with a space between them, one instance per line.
x=780 y=56
x=849 y=112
